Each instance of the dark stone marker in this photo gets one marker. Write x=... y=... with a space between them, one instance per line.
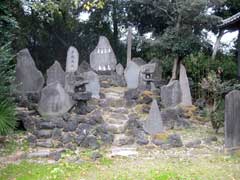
x=232 y=120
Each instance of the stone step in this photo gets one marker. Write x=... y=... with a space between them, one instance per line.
x=114 y=95
x=122 y=139
x=116 y=121
x=124 y=151
x=45 y=143
x=116 y=128
x=46 y=153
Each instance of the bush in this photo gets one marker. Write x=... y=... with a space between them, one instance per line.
x=200 y=65
x=7 y=117
x=7 y=107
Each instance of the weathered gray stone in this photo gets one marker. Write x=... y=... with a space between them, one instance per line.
x=175 y=140
x=172 y=118
x=103 y=58
x=44 y=133
x=232 y=120
x=84 y=67
x=93 y=86
x=72 y=59
x=193 y=144
x=71 y=125
x=131 y=75
x=150 y=68
x=171 y=94
x=56 y=134
x=154 y=123
x=69 y=82
x=158 y=70
x=28 y=78
x=119 y=69
x=184 y=86
x=56 y=74
x=54 y=100
x=139 y=61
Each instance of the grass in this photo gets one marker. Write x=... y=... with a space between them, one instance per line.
x=203 y=163
x=211 y=168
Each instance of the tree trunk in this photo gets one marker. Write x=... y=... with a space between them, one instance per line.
x=115 y=24
x=177 y=59
x=216 y=45
x=175 y=69
x=238 y=54
x=129 y=44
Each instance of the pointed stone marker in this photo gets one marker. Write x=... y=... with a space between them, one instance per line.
x=56 y=74
x=54 y=100
x=72 y=59
x=184 y=86
x=28 y=78
x=154 y=124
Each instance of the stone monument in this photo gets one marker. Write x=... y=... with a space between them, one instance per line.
x=54 y=101
x=154 y=124
x=72 y=60
x=232 y=120
x=103 y=59
x=56 y=74
x=28 y=78
x=93 y=85
x=131 y=75
x=171 y=94
x=184 y=85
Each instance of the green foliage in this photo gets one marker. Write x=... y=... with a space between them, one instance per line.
x=6 y=70
x=7 y=22
x=177 y=25
x=199 y=65
x=7 y=108
x=214 y=93
x=7 y=117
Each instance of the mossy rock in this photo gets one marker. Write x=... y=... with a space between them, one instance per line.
x=161 y=136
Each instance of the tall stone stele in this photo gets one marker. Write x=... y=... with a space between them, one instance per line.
x=132 y=71
x=171 y=94
x=72 y=60
x=93 y=85
x=185 y=88
x=71 y=67
x=56 y=74
x=28 y=78
x=232 y=120
x=102 y=58
x=154 y=123
x=54 y=101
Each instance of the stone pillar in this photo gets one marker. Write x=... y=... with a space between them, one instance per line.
x=232 y=120
x=238 y=50
x=129 y=44
x=217 y=43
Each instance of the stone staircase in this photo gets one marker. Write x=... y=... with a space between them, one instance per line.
x=116 y=116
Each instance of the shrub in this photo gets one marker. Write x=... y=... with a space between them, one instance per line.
x=7 y=107
x=7 y=117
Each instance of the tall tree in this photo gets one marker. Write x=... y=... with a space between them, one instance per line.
x=182 y=22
